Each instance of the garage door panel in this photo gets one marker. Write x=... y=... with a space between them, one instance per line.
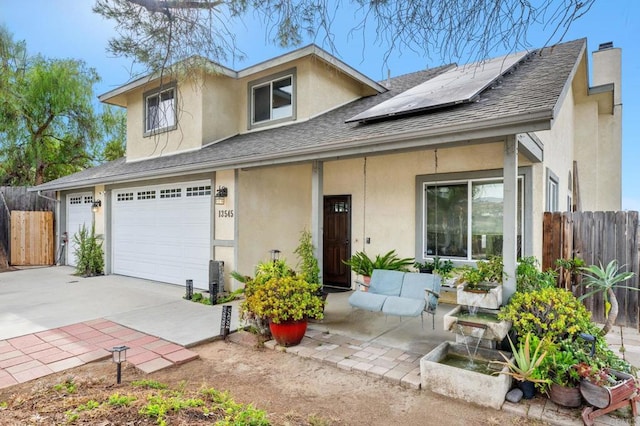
x=78 y=213
x=164 y=239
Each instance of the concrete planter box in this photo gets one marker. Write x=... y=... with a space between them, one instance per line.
x=481 y=389
x=491 y=299
x=495 y=330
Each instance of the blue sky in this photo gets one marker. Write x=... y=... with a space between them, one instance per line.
x=68 y=29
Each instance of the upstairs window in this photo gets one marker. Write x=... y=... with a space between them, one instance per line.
x=160 y=111
x=272 y=100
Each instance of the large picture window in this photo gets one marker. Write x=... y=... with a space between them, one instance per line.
x=463 y=219
x=272 y=100
x=160 y=111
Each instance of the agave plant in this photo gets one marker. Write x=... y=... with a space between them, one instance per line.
x=527 y=357
x=603 y=280
x=362 y=264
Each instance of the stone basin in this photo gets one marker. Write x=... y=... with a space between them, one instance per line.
x=489 y=299
x=482 y=389
x=459 y=320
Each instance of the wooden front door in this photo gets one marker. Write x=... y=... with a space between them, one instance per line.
x=337 y=241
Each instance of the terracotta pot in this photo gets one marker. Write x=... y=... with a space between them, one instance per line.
x=288 y=333
x=565 y=396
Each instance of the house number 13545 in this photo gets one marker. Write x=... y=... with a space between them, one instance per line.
x=225 y=213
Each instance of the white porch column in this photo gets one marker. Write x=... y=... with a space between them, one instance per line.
x=510 y=217
x=317 y=210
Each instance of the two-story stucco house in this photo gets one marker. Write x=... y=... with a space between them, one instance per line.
x=458 y=162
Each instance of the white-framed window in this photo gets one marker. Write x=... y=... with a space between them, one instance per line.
x=160 y=110
x=171 y=193
x=463 y=219
x=147 y=195
x=272 y=99
x=124 y=196
x=198 y=191
x=553 y=191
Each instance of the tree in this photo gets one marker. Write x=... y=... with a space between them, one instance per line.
x=113 y=123
x=160 y=32
x=47 y=124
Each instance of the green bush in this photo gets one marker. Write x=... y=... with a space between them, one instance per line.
x=89 y=253
x=530 y=278
x=307 y=262
x=549 y=312
x=282 y=299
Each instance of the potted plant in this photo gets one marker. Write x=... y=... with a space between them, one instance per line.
x=308 y=263
x=286 y=302
x=564 y=380
x=598 y=279
x=264 y=271
x=362 y=264
x=524 y=365
x=605 y=387
x=482 y=286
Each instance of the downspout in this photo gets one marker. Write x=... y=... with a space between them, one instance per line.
x=46 y=197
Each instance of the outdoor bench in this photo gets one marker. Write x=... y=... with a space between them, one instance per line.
x=403 y=294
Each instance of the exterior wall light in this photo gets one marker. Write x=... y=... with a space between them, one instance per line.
x=275 y=255
x=96 y=206
x=221 y=194
x=119 y=355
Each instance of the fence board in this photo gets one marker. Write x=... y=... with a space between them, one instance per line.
x=32 y=238
x=597 y=238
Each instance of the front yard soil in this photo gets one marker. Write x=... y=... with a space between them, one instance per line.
x=292 y=390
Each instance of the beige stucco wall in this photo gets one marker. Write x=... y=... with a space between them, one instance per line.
x=598 y=141
x=215 y=107
x=274 y=203
x=187 y=135
x=221 y=96
x=274 y=206
x=319 y=88
x=224 y=214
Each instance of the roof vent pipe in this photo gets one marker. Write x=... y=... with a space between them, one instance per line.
x=605 y=46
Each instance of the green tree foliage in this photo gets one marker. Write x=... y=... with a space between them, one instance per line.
x=48 y=127
x=160 y=32
x=113 y=123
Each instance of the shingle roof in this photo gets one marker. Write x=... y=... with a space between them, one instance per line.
x=534 y=87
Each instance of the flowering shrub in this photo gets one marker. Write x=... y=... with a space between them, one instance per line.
x=551 y=312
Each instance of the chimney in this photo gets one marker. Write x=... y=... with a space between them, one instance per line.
x=607 y=68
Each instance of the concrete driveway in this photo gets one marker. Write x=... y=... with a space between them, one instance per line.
x=38 y=299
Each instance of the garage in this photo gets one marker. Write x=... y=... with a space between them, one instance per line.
x=162 y=233
x=78 y=213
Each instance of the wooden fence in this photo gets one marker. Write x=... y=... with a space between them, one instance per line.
x=597 y=238
x=32 y=238
x=18 y=198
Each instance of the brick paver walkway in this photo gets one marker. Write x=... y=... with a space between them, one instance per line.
x=36 y=355
x=391 y=364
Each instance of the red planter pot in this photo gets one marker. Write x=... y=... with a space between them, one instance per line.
x=288 y=333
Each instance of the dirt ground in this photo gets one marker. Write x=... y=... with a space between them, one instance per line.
x=292 y=391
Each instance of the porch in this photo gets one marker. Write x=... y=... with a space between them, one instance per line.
x=345 y=326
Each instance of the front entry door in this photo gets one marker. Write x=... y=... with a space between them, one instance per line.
x=336 y=241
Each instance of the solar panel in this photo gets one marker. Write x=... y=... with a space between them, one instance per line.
x=457 y=85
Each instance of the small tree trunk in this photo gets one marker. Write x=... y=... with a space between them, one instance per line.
x=613 y=313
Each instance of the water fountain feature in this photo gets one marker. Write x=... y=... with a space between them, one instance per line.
x=465 y=369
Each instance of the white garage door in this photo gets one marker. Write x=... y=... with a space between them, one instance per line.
x=162 y=233
x=78 y=213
